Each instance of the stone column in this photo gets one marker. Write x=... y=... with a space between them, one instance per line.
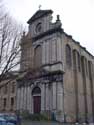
x=31 y=100
x=59 y=96
x=47 y=52
x=25 y=98
x=60 y=114
x=22 y=98
x=50 y=97
x=54 y=96
x=59 y=50
x=18 y=98
x=28 y=99
x=84 y=88
x=43 y=53
x=91 y=87
x=54 y=54
x=47 y=98
x=42 y=97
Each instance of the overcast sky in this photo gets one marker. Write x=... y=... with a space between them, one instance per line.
x=77 y=16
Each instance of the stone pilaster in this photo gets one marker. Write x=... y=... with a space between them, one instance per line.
x=60 y=114
x=18 y=98
x=43 y=53
x=59 y=58
x=59 y=96
x=28 y=99
x=84 y=88
x=47 y=52
x=54 y=54
x=47 y=98
x=22 y=98
x=54 y=96
x=42 y=98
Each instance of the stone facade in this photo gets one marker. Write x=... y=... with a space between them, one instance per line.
x=63 y=82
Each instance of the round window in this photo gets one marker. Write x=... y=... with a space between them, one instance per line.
x=38 y=27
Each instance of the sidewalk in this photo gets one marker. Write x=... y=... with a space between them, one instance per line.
x=39 y=123
x=28 y=122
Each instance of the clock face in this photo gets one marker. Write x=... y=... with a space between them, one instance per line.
x=38 y=28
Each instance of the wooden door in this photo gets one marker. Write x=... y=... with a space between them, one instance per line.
x=37 y=104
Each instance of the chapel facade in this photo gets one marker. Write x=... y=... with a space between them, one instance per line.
x=59 y=78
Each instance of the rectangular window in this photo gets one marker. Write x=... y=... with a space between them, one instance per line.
x=5 y=102
x=12 y=101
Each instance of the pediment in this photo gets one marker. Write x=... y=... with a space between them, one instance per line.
x=39 y=14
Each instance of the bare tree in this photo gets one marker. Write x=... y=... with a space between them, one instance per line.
x=10 y=36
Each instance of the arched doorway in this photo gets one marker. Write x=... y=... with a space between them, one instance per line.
x=36 y=93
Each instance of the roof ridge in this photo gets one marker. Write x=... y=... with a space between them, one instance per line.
x=39 y=14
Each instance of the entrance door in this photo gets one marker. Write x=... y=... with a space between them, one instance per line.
x=36 y=93
x=37 y=104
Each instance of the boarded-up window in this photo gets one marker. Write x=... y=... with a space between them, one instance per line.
x=38 y=56
x=68 y=56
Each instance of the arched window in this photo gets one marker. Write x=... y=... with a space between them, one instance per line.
x=78 y=59
x=68 y=55
x=86 y=67
x=36 y=90
x=74 y=59
x=82 y=66
x=38 y=56
x=90 y=70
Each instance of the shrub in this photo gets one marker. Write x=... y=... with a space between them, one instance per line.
x=34 y=117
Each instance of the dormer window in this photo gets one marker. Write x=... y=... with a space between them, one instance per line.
x=38 y=27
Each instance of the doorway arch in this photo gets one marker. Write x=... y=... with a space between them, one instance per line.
x=36 y=93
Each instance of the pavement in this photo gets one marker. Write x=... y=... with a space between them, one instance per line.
x=39 y=123
x=48 y=123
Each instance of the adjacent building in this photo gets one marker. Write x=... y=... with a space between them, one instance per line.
x=8 y=93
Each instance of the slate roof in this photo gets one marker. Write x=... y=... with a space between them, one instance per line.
x=39 y=14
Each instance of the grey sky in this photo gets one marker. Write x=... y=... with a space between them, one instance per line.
x=77 y=16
